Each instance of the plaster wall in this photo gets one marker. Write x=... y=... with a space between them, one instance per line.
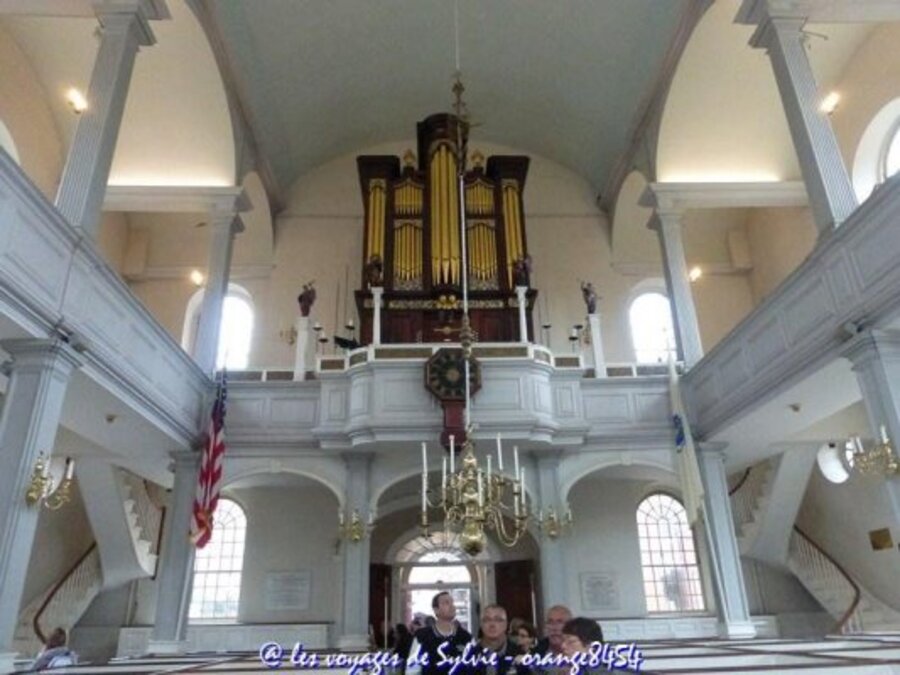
x=780 y=239
x=24 y=111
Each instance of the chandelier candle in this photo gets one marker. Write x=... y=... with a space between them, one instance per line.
x=424 y=480
x=516 y=459
x=499 y=455
x=452 y=454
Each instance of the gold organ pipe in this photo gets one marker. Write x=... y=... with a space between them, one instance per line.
x=435 y=219
x=484 y=250
x=455 y=238
x=418 y=252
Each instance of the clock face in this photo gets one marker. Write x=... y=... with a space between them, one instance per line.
x=445 y=375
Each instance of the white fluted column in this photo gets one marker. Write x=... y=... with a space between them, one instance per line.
x=377 y=292
x=176 y=567
x=355 y=606
x=554 y=587
x=828 y=184
x=733 y=609
x=875 y=355
x=521 y=296
x=668 y=224
x=39 y=376
x=224 y=225
x=84 y=178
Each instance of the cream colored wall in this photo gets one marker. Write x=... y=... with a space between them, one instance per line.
x=780 y=239
x=24 y=111
x=870 y=80
x=290 y=529
x=112 y=238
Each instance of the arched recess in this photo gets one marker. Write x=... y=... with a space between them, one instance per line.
x=261 y=473
x=723 y=119
x=176 y=87
x=7 y=143
x=632 y=241
x=872 y=151
x=576 y=468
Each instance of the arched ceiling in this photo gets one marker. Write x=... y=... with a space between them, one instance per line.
x=562 y=79
x=723 y=119
x=176 y=129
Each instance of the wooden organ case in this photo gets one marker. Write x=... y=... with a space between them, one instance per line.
x=412 y=226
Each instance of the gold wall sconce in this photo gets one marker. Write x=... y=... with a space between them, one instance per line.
x=354 y=529
x=553 y=525
x=41 y=488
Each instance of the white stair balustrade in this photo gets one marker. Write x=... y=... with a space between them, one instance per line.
x=749 y=499
x=144 y=519
x=62 y=605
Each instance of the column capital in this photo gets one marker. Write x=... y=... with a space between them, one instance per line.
x=872 y=344
x=42 y=353
x=771 y=27
x=124 y=16
x=711 y=451
x=185 y=459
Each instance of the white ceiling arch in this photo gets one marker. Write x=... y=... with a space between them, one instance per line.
x=564 y=79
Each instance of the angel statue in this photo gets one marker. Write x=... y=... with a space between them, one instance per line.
x=522 y=271
x=590 y=296
x=375 y=271
x=307 y=297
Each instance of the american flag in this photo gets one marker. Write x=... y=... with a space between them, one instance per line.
x=692 y=491
x=210 y=470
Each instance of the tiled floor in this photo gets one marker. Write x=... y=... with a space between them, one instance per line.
x=864 y=655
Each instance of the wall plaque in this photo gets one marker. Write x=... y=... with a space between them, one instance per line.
x=599 y=591
x=288 y=590
x=881 y=539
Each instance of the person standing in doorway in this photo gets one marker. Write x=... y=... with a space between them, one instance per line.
x=445 y=630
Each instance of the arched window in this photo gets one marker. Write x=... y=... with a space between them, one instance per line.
x=7 y=143
x=218 y=566
x=652 y=333
x=891 y=163
x=430 y=566
x=668 y=557
x=235 y=331
x=878 y=153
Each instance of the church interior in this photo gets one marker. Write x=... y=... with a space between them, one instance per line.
x=590 y=304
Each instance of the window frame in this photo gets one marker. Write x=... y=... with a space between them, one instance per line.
x=192 y=320
x=645 y=579
x=892 y=136
x=203 y=555
x=650 y=287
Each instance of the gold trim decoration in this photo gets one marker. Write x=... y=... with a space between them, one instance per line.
x=431 y=304
x=512 y=217
x=567 y=362
x=500 y=352
x=403 y=353
x=482 y=251
x=376 y=213
x=332 y=364
x=359 y=357
x=445 y=249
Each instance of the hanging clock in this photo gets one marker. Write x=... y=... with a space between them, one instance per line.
x=445 y=374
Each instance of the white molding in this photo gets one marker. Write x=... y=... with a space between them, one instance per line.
x=683 y=196
x=817 y=11
x=152 y=10
x=175 y=199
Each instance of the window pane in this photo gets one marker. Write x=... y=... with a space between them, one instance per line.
x=892 y=160
x=651 y=328
x=668 y=562
x=217 y=576
x=235 y=333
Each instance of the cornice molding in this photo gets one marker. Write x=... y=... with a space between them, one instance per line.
x=816 y=11
x=151 y=10
x=683 y=196
x=175 y=199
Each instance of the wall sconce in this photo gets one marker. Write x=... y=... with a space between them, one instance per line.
x=879 y=460
x=354 y=530
x=551 y=524
x=76 y=101
x=42 y=489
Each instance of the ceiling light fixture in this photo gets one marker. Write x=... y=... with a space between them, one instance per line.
x=76 y=100
x=197 y=277
x=695 y=273
x=830 y=103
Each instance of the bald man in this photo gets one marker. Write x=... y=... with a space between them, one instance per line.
x=552 y=642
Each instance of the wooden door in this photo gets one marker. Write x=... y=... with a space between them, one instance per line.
x=516 y=590
x=379 y=600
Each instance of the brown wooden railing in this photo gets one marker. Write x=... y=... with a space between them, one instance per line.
x=36 y=623
x=741 y=481
x=848 y=614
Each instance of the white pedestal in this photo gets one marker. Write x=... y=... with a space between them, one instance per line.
x=597 y=345
x=377 y=292
x=166 y=647
x=301 y=355
x=523 y=321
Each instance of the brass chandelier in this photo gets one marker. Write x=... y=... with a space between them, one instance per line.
x=473 y=499
x=879 y=460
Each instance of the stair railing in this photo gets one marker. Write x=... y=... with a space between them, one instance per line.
x=73 y=586
x=811 y=556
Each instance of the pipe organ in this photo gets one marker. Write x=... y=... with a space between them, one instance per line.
x=412 y=237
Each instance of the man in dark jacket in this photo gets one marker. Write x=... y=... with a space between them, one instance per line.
x=442 y=640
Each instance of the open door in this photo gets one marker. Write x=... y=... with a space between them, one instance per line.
x=516 y=591
x=379 y=602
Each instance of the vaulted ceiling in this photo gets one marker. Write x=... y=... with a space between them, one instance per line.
x=562 y=79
